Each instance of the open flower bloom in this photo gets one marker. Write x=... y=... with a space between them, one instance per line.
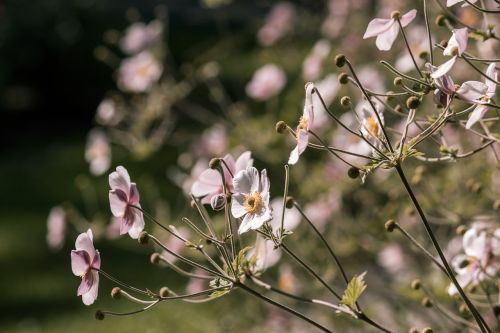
x=98 y=152
x=386 y=30
x=267 y=81
x=122 y=196
x=480 y=260
x=139 y=73
x=371 y=129
x=305 y=122
x=56 y=227
x=209 y=183
x=251 y=200
x=85 y=263
x=140 y=36
x=456 y=46
x=479 y=93
x=445 y=87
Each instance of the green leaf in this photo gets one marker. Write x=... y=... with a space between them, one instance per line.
x=354 y=290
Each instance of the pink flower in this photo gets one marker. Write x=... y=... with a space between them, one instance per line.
x=278 y=22
x=370 y=126
x=445 y=87
x=122 y=196
x=139 y=73
x=479 y=93
x=86 y=262
x=98 y=152
x=209 y=183
x=266 y=82
x=56 y=227
x=251 y=200
x=107 y=113
x=386 y=30
x=313 y=64
x=305 y=122
x=140 y=36
x=456 y=46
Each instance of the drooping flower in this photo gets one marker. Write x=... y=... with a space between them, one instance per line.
x=139 y=73
x=98 y=152
x=371 y=129
x=457 y=44
x=56 y=227
x=482 y=249
x=122 y=196
x=267 y=81
x=209 y=183
x=445 y=87
x=479 y=93
x=386 y=30
x=251 y=200
x=278 y=23
x=313 y=64
x=305 y=122
x=140 y=36
x=85 y=263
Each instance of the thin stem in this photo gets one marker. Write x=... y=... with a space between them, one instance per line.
x=184 y=272
x=479 y=71
x=409 y=49
x=331 y=150
x=482 y=9
x=395 y=71
x=285 y=195
x=115 y=280
x=428 y=28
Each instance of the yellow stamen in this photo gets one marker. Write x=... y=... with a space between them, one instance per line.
x=372 y=126
x=303 y=125
x=253 y=202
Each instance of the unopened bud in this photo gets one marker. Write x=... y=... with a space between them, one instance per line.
x=389 y=96
x=343 y=78
x=155 y=258
x=164 y=292
x=289 y=202
x=427 y=302
x=396 y=15
x=398 y=80
x=416 y=284
x=340 y=60
x=464 y=263
x=99 y=315
x=427 y=330
x=345 y=100
x=461 y=229
x=116 y=293
x=218 y=202
x=214 y=163
x=143 y=238
x=412 y=102
x=353 y=172
x=390 y=225
x=280 y=127
x=440 y=19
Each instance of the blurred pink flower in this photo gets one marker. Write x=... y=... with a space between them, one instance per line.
x=140 y=36
x=371 y=79
x=264 y=254
x=450 y=3
x=113 y=228
x=122 y=196
x=321 y=210
x=456 y=46
x=337 y=15
x=392 y=258
x=85 y=263
x=98 y=152
x=213 y=141
x=386 y=30
x=175 y=245
x=209 y=183
x=315 y=61
x=56 y=228
x=139 y=73
x=106 y=112
x=251 y=199
x=305 y=122
x=267 y=81
x=197 y=285
x=278 y=23
x=404 y=62
x=328 y=88
x=292 y=216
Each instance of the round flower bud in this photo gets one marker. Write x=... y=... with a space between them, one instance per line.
x=440 y=19
x=99 y=315
x=143 y=238
x=413 y=330
x=423 y=55
x=116 y=293
x=398 y=108
x=427 y=302
x=208 y=241
x=353 y=172
x=214 y=163
x=461 y=229
x=427 y=330
x=340 y=60
x=154 y=258
x=416 y=284
x=289 y=202
x=280 y=127
x=396 y=15
x=390 y=225
x=345 y=100
x=464 y=263
x=496 y=204
x=443 y=43
x=343 y=78
x=398 y=80
x=412 y=102
x=164 y=292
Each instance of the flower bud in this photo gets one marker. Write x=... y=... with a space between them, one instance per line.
x=416 y=284
x=193 y=204
x=427 y=330
x=464 y=263
x=427 y=302
x=116 y=293
x=413 y=330
x=398 y=80
x=396 y=15
x=289 y=202
x=390 y=225
x=353 y=172
x=143 y=238
x=461 y=229
x=280 y=127
x=218 y=201
x=155 y=258
x=214 y=163
x=443 y=43
x=164 y=292
x=340 y=60
x=345 y=100
x=496 y=204
x=440 y=20
x=423 y=55
x=343 y=78
x=99 y=315
x=412 y=102
x=398 y=108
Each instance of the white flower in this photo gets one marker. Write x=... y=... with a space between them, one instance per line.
x=370 y=127
x=98 y=152
x=139 y=73
x=305 y=122
x=251 y=200
x=456 y=46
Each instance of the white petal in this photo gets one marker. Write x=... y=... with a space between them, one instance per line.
x=378 y=26
x=120 y=179
x=244 y=161
x=476 y=115
x=89 y=297
x=208 y=182
x=237 y=205
x=246 y=181
x=385 y=40
x=245 y=224
x=444 y=68
x=474 y=243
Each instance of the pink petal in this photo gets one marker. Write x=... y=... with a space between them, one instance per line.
x=474 y=243
x=491 y=71
x=134 y=195
x=377 y=26
x=302 y=142
x=84 y=242
x=244 y=161
x=86 y=283
x=127 y=220
x=137 y=226
x=208 y=182
x=80 y=262
x=472 y=91
x=96 y=263
x=308 y=112
x=408 y=17
x=264 y=182
x=461 y=36
x=476 y=115
x=120 y=179
x=89 y=297
x=385 y=40
x=118 y=202
x=444 y=68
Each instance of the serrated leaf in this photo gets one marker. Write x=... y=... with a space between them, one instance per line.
x=354 y=290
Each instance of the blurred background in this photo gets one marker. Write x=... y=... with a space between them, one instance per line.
x=66 y=103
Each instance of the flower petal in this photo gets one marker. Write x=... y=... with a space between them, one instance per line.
x=137 y=226
x=89 y=297
x=444 y=68
x=120 y=179
x=385 y=40
x=246 y=181
x=208 y=182
x=86 y=283
x=237 y=205
x=302 y=142
x=492 y=72
x=476 y=115
x=408 y=17
x=264 y=183
x=134 y=197
x=80 y=262
x=244 y=161
x=378 y=26
x=245 y=224
x=474 y=243
x=117 y=202
x=84 y=242
x=472 y=91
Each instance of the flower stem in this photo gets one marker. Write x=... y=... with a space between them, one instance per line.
x=409 y=49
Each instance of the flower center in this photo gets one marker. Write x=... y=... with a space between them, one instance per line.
x=372 y=126
x=253 y=202
x=303 y=125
